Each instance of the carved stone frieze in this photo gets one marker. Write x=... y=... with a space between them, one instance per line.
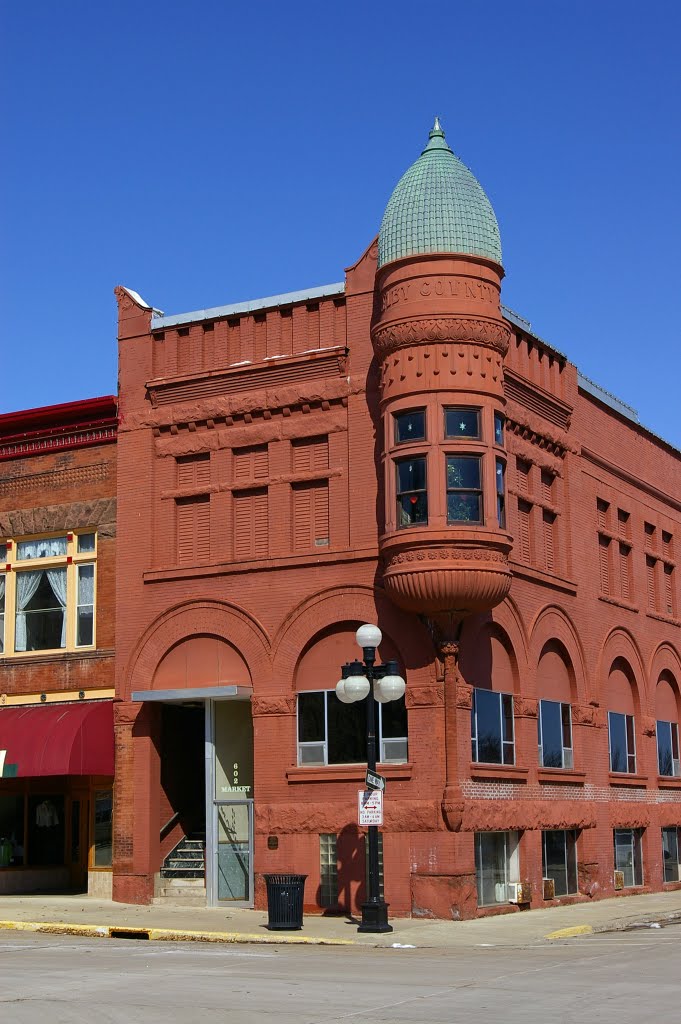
x=464 y=697
x=75 y=515
x=524 y=707
x=449 y=554
x=273 y=705
x=491 y=333
x=424 y=696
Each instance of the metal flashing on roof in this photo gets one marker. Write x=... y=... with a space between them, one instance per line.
x=231 y=692
x=526 y=326
x=158 y=323
x=607 y=398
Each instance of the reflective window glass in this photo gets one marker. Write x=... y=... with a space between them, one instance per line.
x=462 y=423
x=410 y=426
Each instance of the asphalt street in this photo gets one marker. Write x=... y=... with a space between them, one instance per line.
x=617 y=978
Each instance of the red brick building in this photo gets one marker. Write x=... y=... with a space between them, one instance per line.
x=398 y=448
x=57 y=567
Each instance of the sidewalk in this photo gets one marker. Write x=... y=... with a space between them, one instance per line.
x=83 y=915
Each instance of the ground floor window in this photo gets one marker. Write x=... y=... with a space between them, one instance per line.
x=671 y=854
x=330 y=732
x=328 y=869
x=628 y=856
x=496 y=865
x=559 y=860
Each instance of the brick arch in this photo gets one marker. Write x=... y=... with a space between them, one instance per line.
x=621 y=645
x=199 y=618
x=504 y=625
x=355 y=605
x=489 y=658
x=665 y=659
x=554 y=624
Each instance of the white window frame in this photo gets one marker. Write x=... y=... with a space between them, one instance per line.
x=636 y=835
x=511 y=865
x=568 y=760
x=70 y=560
x=673 y=733
x=677 y=830
x=323 y=745
x=474 y=729
x=629 y=753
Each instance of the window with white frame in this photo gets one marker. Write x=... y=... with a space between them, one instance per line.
x=622 y=742
x=628 y=855
x=492 y=739
x=47 y=593
x=496 y=866
x=328 y=869
x=671 y=854
x=330 y=732
x=554 y=726
x=559 y=860
x=668 y=748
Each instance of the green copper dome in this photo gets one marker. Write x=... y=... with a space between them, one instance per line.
x=438 y=206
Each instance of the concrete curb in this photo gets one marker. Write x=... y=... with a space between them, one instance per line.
x=621 y=925
x=97 y=931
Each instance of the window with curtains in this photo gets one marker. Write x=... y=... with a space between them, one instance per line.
x=47 y=593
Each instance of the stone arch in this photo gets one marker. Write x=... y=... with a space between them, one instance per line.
x=620 y=644
x=349 y=607
x=621 y=690
x=212 y=619
x=554 y=626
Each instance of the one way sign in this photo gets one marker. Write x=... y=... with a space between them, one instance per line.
x=375 y=781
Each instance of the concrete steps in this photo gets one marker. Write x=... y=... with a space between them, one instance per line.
x=183 y=875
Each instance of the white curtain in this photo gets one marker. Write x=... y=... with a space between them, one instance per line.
x=86 y=585
x=41 y=548
x=27 y=584
x=57 y=580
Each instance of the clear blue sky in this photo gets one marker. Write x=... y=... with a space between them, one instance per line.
x=210 y=152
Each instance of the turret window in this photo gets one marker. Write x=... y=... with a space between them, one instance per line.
x=498 y=428
x=410 y=426
x=412 y=498
x=462 y=423
x=501 y=493
x=464 y=489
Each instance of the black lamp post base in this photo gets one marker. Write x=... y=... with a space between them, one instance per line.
x=375 y=917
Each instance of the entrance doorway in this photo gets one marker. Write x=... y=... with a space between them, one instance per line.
x=230 y=799
x=183 y=785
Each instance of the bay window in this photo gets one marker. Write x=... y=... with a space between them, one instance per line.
x=47 y=594
x=492 y=738
x=462 y=423
x=412 y=496
x=464 y=489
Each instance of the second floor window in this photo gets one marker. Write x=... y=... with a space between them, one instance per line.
x=464 y=489
x=47 y=598
x=554 y=724
x=668 y=748
x=412 y=497
x=622 y=742
x=492 y=738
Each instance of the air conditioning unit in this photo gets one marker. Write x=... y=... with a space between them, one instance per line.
x=618 y=879
x=519 y=892
x=549 y=889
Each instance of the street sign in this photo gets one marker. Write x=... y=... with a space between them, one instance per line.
x=370 y=806
x=375 y=781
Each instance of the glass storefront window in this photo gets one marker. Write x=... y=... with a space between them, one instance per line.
x=102 y=828
x=46 y=830
x=11 y=831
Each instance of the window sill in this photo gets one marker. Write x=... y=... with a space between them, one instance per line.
x=347 y=772
x=668 y=782
x=627 y=779
x=567 y=775
x=40 y=657
x=618 y=602
x=508 y=772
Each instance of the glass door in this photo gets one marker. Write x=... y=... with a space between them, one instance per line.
x=230 y=803
x=234 y=845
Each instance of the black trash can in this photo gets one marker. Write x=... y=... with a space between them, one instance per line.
x=285 y=901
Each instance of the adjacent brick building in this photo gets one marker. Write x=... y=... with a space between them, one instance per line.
x=57 y=568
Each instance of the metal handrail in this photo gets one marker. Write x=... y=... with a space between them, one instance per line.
x=169 y=822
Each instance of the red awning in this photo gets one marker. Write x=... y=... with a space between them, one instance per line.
x=58 y=739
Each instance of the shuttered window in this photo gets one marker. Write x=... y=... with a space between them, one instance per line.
x=310 y=515
x=193 y=470
x=524 y=512
x=193 y=529
x=625 y=574
x=523 y=469
x=251 y=525
x=669 y=602
x=604 y=564
x=650 y=579
x=602 y=513
x=251 y=463
x=309 y=453
x=549 y=524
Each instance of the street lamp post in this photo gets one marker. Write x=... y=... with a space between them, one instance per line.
x=365 y=680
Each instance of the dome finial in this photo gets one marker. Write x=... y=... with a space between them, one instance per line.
x=437 y=127
x=436 y=137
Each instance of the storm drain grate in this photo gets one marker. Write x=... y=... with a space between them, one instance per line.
x=128 y=933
